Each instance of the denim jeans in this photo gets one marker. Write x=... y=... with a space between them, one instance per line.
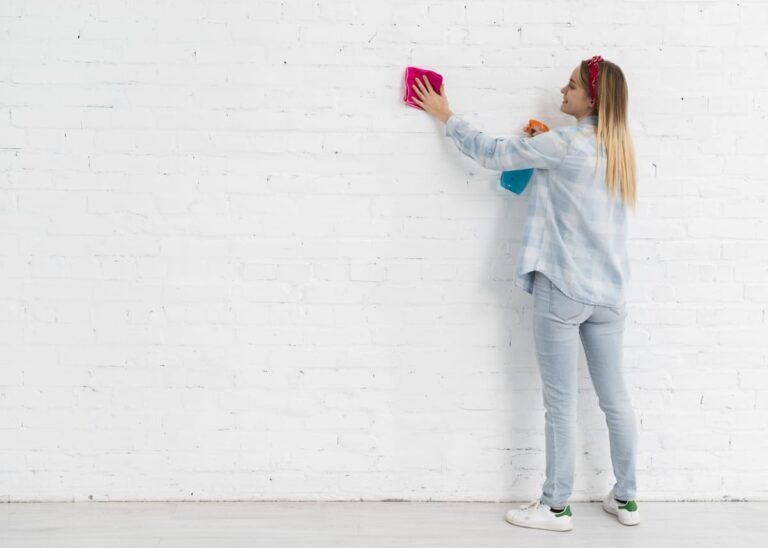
x=558 y=323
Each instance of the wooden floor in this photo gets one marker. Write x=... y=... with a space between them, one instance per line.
x=369 y=524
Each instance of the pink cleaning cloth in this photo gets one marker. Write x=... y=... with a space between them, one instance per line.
x=411 y=73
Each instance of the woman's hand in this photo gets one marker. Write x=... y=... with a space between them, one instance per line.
x=434 y=103
x=533 y=132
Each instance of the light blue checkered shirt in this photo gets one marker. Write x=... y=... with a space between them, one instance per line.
x=575 y=232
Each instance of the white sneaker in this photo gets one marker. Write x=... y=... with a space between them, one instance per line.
x=628 y=513
x=537 y=515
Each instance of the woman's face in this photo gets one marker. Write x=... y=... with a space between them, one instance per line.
x=576 y=100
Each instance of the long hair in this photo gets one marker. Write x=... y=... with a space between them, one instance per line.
x=613 y=129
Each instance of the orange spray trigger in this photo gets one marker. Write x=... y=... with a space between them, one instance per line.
x=534 y=125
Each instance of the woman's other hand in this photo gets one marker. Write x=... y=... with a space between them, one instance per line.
x=532 y=132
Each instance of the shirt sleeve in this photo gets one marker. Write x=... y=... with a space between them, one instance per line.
x=544 y=151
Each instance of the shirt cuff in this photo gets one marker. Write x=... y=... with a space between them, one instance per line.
x=450 y=123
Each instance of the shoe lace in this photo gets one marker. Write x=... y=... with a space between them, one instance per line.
x=533 y=505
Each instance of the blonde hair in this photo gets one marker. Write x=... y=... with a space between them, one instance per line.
x=613 y=129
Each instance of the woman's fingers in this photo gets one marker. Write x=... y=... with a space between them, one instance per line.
x=421 y=88
x=425 y=93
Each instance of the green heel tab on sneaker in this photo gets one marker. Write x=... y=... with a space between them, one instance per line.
x=630 y=506
x=566 y=511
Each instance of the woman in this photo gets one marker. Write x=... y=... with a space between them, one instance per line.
x=573 y=260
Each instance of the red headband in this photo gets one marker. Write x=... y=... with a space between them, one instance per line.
x=594 y=69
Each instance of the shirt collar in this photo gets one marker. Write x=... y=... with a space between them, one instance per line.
x=588 y=120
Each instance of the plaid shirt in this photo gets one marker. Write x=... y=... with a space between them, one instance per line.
x=575 y=233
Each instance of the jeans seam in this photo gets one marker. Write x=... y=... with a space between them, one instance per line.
x=554 y=445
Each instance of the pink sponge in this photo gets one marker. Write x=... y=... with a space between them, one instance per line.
x=411 y=74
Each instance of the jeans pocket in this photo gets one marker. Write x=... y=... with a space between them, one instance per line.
x=562 y=306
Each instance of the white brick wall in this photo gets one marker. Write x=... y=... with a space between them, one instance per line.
x=235 y=266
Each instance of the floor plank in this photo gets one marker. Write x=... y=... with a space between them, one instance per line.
x=368 y=524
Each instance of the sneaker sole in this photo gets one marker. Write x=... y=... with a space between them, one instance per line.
x=631 y=520
x=534 y=526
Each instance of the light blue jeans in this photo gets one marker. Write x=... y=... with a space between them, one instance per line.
x=558 y=323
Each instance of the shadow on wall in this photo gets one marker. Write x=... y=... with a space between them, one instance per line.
x=524 y=446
